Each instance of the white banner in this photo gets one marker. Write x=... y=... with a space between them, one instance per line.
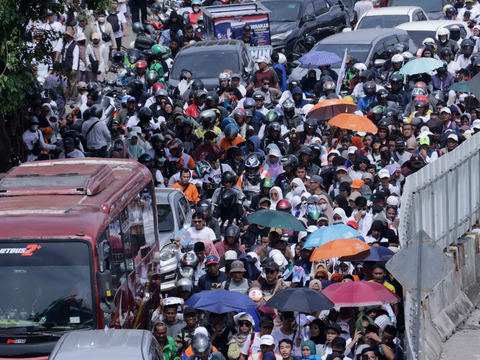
x=341 y=73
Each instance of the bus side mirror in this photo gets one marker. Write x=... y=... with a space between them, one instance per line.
x=105 y=291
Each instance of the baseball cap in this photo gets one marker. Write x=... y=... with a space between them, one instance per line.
x=377 y=197
x=445 y=110
x=365 y=190
x=96 y=36
x=293 y=136
x=424 y=140
x=335 y=327
x=272 y=265
x=231 y=255
x=356 y=184
x=400 y=143
x=189 y=310
x=68 y=141
x=237 y=266
x=211 y=259
x=352 y=149
x=266 y=321
x=417 y=158
x=262 y=200
x=354 y=195
x=312 y=199
x=267 y=340
x=261 y=59
x=132 y=98
x=367 y=176
x=476 y=124
x=453 y=136
x=82 y=85
x=317 y=179
x=384 y=173
x=247 y=27
x=342 y=168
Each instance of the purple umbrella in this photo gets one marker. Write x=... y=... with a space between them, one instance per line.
x=319 y=58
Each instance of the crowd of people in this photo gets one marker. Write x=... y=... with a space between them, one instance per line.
x=245 y=147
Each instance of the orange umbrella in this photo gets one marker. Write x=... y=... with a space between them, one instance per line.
x=338 y=248
x=353 y=122
x=329 y=108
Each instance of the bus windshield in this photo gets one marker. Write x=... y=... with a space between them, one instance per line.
x=46 y=286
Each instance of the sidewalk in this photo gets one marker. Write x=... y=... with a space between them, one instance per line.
x=464 y=344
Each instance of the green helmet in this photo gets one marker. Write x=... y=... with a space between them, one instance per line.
x=200 y=18
x=378 y=110
x=267 y=183
x=272 y=116
x=157 y=48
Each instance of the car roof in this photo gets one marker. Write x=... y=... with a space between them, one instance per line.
x=430 y=25
x=226 y=44
x=364 y=36
x=114 y=344
x=392 y=10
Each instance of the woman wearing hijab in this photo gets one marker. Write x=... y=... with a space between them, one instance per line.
x=297 y=187
x=376 y=234
x=315 y=285
x=339 y=216
x=317 y=334
x=327 y=209
x=309 y=351
x=341 y=202
x=120 y=151
x=245 y=325
x=210 y=248
x=297 y=210
x=361 y=324
x=133 y=146
x=275 y=196
x=50 y=132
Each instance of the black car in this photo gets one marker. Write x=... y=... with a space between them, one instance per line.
x=291 y=21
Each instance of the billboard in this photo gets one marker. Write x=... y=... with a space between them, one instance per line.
x=231 y=27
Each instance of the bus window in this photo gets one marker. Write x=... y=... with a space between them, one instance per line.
x=117 y=263
x=148 y=216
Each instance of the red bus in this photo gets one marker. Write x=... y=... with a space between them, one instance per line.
x=78 y=250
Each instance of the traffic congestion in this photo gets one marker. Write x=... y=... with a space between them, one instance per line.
x=223 y=179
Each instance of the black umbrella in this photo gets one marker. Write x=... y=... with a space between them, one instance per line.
x=474 y=85
x=299 y=299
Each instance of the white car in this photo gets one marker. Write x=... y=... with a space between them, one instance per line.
x=389 y=17
x=419 y=31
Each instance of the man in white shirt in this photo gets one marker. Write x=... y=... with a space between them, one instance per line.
x=70 y=151
x=122 y=23
x=217 y=169
x=53 y=33
x=361 y=216
x=199 y=230
x=361 y=7
x=32 y=136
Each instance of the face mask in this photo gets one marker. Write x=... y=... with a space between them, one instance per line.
x=323 y=207
x=265 y=86
x=162 y=159
x=101 y=19
x=363 y=212
x=34 y=127
x=313 y=212
x=55 y=19
x=338 y=222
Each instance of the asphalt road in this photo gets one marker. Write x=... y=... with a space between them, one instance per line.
x=464 y=343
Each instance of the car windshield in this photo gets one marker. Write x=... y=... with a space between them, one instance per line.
x=46 y=286
x=427 y=5
x=419 y=36
x=358 y=51
x=282 y=11
x=165 y=218
x=204 y=66
x=388 y=21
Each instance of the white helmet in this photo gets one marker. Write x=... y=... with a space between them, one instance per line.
x=360 y=67
x=407 y=55
x=430 y=42
x=443 y=32
x=282 y=59
x=397 y=58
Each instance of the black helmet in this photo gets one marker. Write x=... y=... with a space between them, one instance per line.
x=275 y=57
x=138 y=28
x=367 y=74
x=145 y=159
x=396 y=78
x=309 y=42
x=96 y=111
x=305 y=150
x=135 y=85
x=107 y=91
x=258 y=95
x=149 y=55
x=393 y=113
x=274 y=126
x=229 y=198
x=477 y=62
x=288 y=105
x=233 y=231
x=369 y=88
x=228 y=177
x=87 y=114
x=474 y=58
x=201 y=344
x=197 y=84
x=467 y=46
x=185 y=75
x=91 y=87
x=213 y=96
x=292 y=84
x=390 y=51
x=204 y=205
x=446 y=52
x=145 y=114
x=385 y=123
x=252 y=168
x=311 y=124
x=155 y=8
x=118 y=57
x=289 y=160
x=143 y=43
x=382 y=94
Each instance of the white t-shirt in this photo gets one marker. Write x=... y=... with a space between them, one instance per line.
x=278 y=336
x=255 y=345
x=216 y=175
x=361 y=7
x=121 y=20
x=205 y=233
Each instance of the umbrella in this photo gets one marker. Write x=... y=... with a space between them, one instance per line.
x=353 y=122
x=220 y=301
x=474 y=86
x=319 y=58
x=329 y=108
x=359 y=293
x=420 y=66
x=299 y=299
x=329 y=233
x=376 y=253
x=276 y=219
x=460 y=87
x=338 y=248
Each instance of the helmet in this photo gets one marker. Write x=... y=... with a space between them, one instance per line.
x=401 y=47
x=187 y=121
x=369 y=88
x=311 y=124
x=155 y=8
x=145 y=114
x=203 y=168
x=329 y=85
x=283 y=205
x=145 y=159
x=189 y=259
x=393 y=113
x=446 y=52
x=226 y=122
x=138 y=28
x=288 y=105
x=161 y=92
x=416 y=121
x=378 y=110
x=267 y=183
x=467 y=46
x=184 y=284
x=201 y=344
x=197 y=85
x=249 y=102
x=107 y=91
x=87 y=114
x=421 y=104
x=199 y=93
x=228 y=177
x=124 y=100
x=305 y=150
x=135 y=85
x=213 y=96
x=274 y=126
x=360 y=67
x=315 y=147
x=149 y=55
x=186 y=272
x=438 y=95
x=233 y=231
x=252 y=167
x=175 y=144
x=407 y=55
x=455 y=33
x=397 y=58
x=309 y=41
x=239 y=113
x=231 y=131
x=292 y=84
x=473 y=58
x=185 y=75
x=158 y=86
x=91 y=87
x=96 y=111
x=385 y=123
x=229 y=198
x=282 y=59
x=390 y=51
x=430 y=42
x=382 y=94
x=351 y=98
x=205 y=205
x=396 y=78
x=208 y=116
x=156 y=137
x=196 y=2
x=200 y=18
x=272 y=116
x=367 y=74
x=153 y=75
x=289 y=160
x=118 y=57
x=224 y=76
x=444 y=31
x=258 y=95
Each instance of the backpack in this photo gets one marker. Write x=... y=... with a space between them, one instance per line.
x=113 y=20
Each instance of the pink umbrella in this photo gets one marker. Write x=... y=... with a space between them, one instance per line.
x=359 y=293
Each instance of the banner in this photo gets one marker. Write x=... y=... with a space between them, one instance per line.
x=260 y=51
x=341 y=73
x=231 y=27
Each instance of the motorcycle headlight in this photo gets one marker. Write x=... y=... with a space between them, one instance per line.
x=167 y=253
x=282 y=36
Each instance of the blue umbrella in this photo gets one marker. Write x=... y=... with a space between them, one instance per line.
x=220 y=301
x=460 y=87
x=319 y=58
x=376 y=253
x=420 y=66
x=328 y=233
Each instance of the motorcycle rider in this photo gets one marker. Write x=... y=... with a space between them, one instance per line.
x=257 y=116
x=463 y=60
x=283 y=180
x=306 y=155
x=444 y=41
x=123 y=117
x=395 y=93
x=397 y=63
x=196 y=108
x=141 y=71
x=228 y=182
x=365 y=102
x=447 y=55
x=193 y=16
x=230 y=211
x=205 y=206
x=310 y=131
x=240 y=115
x=290 y=118
x=135 y=89
x=274 y=136
x=207 y=120
x=254 y=173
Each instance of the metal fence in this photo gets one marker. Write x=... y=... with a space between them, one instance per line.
x=443 y=199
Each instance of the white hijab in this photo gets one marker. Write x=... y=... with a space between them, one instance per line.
x=280 y=197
